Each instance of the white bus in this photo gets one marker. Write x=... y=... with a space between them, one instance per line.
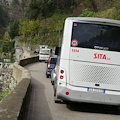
x=43 y=47
x=88 y=67
x=44 y=54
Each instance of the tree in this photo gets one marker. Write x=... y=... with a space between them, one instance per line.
x=32 y=9
x=66 y=5
x=44 y=26
x=60 y=25
x=29 y=27
x=13 y=28
x=24 y=27
x=91 y=5
x=39 y=8
x=15 y=2
x=4 y=19
x=33 y=27
x=6 y=36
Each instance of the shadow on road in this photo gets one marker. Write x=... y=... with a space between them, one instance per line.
x=35 y=105
x=93 y=108
x=26 y=103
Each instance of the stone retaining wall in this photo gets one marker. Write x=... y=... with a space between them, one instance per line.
x=11 y=105
x=29 y=60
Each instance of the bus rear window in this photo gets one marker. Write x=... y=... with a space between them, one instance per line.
x=95 y=36
x=53 y=60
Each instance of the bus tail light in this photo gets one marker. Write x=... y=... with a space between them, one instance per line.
x=61 y=71
x=62 y=75
x=67 y=93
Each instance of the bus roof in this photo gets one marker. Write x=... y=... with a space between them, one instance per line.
x=96 y=20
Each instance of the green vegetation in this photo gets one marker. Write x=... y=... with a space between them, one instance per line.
x=42 y=9
x=29 y=27
x=41 y=21
x=7 y=50
x=48 y=23
x=4 y=94
x=87 y=13
x=102 y=9
x=4 y=19
x=13 y=28
x=46 y=31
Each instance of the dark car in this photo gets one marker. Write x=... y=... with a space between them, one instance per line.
x=36 y=51
x=51 y=65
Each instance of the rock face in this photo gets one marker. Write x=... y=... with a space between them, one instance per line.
x=6 y=79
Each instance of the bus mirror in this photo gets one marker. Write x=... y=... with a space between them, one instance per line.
x=57 y=50
x=51 y=51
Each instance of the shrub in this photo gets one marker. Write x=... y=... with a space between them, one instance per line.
x=87 y=13
x=4 y=94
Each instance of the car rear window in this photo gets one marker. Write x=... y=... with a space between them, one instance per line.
x=95 y=36
x=53 y=60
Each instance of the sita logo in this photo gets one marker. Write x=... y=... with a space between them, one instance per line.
x=75 y=50
x=100 y=56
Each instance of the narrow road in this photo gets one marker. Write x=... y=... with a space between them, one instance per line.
x=41 y=106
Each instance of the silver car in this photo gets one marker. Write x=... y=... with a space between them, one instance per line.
x=53 y=75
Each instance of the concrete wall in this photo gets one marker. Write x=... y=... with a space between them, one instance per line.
x=11 y=105
x=20 y=72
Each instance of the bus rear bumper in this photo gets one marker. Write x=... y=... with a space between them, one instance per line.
x=79 y=94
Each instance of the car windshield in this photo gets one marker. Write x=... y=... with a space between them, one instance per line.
x=45 y=52
x=95 y=36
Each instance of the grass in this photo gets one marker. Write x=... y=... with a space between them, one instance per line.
x=4 y=94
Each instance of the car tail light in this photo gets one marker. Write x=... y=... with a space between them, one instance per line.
x=54 y=70
x=48 y=66
x=49 y=63
x=49 y=60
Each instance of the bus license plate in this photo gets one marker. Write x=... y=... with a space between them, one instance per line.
x=95 y=90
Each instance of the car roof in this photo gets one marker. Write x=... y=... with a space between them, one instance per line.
x=53 y=57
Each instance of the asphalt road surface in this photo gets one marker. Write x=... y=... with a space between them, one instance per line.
x=41 y=106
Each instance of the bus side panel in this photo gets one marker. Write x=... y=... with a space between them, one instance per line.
x=66 y=40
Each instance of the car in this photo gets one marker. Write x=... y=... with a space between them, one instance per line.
x=51 y=65
x=53 y=75
x=36 y=51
